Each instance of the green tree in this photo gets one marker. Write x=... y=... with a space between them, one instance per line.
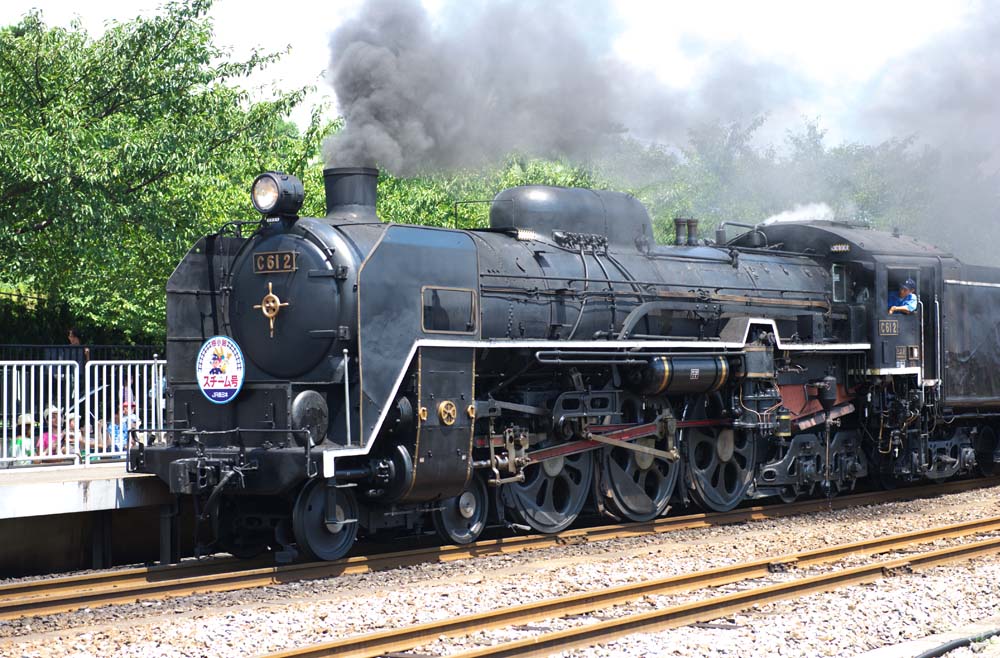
x=117 y=152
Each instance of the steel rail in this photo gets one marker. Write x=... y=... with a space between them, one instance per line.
x=396 y=640
x=683 y=615
x=63 y=594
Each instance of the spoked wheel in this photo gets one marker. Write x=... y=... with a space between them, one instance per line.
x=720 y=460
x=636 y=485
x=553 y=492
x=461 y=519
x=316 y=538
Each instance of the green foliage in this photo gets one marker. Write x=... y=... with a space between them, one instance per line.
x=117 y=152
x=461 y=199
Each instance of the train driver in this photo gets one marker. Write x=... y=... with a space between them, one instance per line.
x=904 y=302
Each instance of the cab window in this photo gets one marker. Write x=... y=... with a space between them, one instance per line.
x=448 y=310
x=838 y=274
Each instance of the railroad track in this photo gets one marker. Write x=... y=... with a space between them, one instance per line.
x=63 y=594
x=410 y=637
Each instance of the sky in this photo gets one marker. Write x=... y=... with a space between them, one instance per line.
x=838 y=48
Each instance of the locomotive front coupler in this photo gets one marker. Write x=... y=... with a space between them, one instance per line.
x=196 y=475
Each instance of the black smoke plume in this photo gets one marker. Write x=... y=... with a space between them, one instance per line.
x=503 y=76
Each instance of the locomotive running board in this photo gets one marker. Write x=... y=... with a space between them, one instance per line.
x=736 y=332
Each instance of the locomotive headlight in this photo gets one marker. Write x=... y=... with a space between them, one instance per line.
x=277 y=195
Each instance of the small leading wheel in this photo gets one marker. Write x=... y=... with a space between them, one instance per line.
x=317 y=538
x=461 y=519
x=553 y=492
x=720 y=460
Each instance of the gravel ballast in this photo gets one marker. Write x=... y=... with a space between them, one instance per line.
x=848 y=621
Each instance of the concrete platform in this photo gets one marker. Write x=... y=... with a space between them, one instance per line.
x=73 y=489
x=60 y=518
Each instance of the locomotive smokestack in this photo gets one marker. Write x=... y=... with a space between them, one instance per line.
x=351 y=192
x=680 y=231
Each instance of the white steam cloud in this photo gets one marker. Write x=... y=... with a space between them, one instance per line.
x=803 y=213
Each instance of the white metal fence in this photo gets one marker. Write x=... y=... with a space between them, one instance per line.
x=51 y=414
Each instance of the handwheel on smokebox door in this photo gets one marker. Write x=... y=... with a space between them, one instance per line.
x=553 y=492
x=720 y=461
x=315 y=537
x=460 y=520
x=636 y=485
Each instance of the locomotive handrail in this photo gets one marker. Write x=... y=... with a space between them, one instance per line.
x=234 y=430
x=939 y=375
x=651 y=355
x=543 y=277
x=656 y=284
x=347 y=398
x=558 y=357
x=682 y=297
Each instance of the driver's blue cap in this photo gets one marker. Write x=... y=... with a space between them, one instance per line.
x=910 y=284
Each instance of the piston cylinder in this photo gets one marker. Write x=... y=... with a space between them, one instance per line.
x=680 y=375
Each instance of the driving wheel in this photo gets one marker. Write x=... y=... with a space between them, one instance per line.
x=553 y=492
x=720 y=460
x=636 y=485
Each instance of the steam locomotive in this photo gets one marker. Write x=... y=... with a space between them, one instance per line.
x=339 y=375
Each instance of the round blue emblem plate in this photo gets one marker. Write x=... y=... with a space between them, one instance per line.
x=220 y=368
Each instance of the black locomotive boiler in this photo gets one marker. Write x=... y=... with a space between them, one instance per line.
x=398 y=375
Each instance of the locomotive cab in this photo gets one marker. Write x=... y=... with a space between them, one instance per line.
x=906 y=343
x=867 y=267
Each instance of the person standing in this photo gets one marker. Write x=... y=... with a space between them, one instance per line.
x=78 y=352
x=76 y=340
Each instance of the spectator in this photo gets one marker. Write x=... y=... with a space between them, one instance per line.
x=22 y=444
x=49 y=441
x=125 y=420
x=24 y=440
x=92 y=443
x=72 y=440
x=77 y=352
x=82 y=355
